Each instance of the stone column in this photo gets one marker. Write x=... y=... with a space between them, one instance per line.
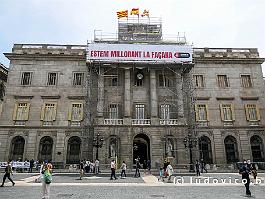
x=153 y=94
x=179 y=85
x=100 y=104
x=127 y=93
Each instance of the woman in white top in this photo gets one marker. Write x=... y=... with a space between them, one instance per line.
x=169 y=171
x=123 y=169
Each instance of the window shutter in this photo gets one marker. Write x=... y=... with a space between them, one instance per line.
x=258 y=113
x=54 y=112
x=70 y=112
x=233 y=112
x=27 y=116
x=42 y=112
x=196 y=113
x=246 y=112
x=15 y=111
x=221 y=111
x=82 y=112
x=207 y=112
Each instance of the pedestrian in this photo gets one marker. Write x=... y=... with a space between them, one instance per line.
x=96 y=166
x=81 y=169
x=113 y=168
x=137 y=168
x=41 y=169
x=254 y=173
x=149 y=166
x=197 y=167
x=169 y=171
x=144 y=166
x=8 y=171
x=203 y=167
x=46 y=180
x=123 y=169
x=161 y=174
x=245 y=171
x=31 y=165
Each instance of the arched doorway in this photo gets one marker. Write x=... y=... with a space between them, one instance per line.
x=257 y=148
x=141 y=148
x=231 y=149
x=45 y=149
x=17 y=148
x=73 y=150
x=205 y=149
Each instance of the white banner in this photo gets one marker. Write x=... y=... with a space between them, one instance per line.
x=23 y=165
x=144 y=53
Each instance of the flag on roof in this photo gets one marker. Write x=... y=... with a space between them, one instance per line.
x=145 y=13
x=121 y=14
x=135 y=11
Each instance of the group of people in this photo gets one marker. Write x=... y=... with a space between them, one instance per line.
x=200 y=167
x=87 y=166
x=166 y=171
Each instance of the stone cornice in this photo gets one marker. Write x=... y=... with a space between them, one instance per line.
x=218 y=60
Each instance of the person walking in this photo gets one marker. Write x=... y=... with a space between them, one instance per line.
x=31 y=165
x=203 y=166
x=197 y=167
x=144 y=166
x=245 y=171
x=46 y=181
x=123 y=169
x=161 y=174
x=41 y=169
x=81 y=169
x=254 y=173
x=96 y=166
x=113 y=168
x=149 y=166
x=8 y=171
x=169 y=171
x=137 y=169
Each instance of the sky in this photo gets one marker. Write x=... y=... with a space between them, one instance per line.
x=206 y=23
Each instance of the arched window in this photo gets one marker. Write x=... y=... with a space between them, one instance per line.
x=17 y=148
x=231 y=149
x=205 y=149
x=73 y=150
x=45 y=149
x=257 y=148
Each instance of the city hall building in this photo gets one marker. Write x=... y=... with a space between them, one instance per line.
x=136 y=95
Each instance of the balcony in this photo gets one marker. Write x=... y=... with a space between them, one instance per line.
x=253 y=123
x=141 y=122
x=168 y=122
x=202 y=123
x=113 y=121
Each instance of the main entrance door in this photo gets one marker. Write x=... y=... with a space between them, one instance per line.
x=141 y=148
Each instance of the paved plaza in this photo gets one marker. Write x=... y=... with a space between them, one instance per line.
x=67 y=185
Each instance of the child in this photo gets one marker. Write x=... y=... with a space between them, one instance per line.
x=161 y=174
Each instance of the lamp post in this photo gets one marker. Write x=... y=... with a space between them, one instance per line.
x=190 y=142
x=97 y=142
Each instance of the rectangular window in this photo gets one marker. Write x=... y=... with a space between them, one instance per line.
x=252 y=112
x=52 y=79
x=198 y=81
x=21 y=111
x=139 y=111
x=222 y=81
x=164 y=111
x=26 y=78
x=201 y=112
x=48 y=113
x=114 y=81
x=76 y=112
x=246 y=81
x=78 y=79
x=164 y=81
x=113 y=111
x=227 y=112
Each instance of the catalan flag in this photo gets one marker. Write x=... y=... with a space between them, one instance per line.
x=135 y=11
x=145 y=13
x=123 y=13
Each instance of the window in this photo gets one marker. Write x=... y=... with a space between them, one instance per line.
x=139 y=82
x=252 y=112
x=227 y=112
x=76 y=112
x=139 y=111
x=78 y=79
x=164 y=81
x=21 y=111
x=48 y=113
x=164 y=111
x=52 y=79
x=222 y=81
x=199 y=81
x=114 y=81
x=246 y=81
x=113 y=111
x=202 y=112
x=26 y=78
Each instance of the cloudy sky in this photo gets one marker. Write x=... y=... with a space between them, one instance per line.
x=206 y=23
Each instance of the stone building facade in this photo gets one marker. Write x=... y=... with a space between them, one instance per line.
x=3 y=79
x=56 y=103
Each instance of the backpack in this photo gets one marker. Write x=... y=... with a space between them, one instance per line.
x=47 y=177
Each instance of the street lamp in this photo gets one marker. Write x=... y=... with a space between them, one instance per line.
x=97 y=142
x=190 y=142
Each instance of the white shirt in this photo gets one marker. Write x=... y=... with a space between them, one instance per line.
x=112 y=165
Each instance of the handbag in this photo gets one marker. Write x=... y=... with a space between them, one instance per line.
x=47 y=177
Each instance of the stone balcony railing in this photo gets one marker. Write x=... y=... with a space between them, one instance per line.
x=113 y=121
x=168 y=122
x=141 y=122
